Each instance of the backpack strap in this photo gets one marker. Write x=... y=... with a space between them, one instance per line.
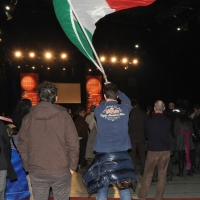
x=14 y=143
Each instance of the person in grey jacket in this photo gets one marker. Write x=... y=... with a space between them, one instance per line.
x=92 y=126
x=49 y=146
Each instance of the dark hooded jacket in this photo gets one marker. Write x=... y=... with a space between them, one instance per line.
x=5 y=153
x=48 y=140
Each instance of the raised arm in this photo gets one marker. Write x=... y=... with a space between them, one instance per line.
x=125 y=100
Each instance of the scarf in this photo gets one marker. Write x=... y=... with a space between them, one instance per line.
x=187 y=147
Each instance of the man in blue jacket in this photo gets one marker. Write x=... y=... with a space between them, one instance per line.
x=112 y=136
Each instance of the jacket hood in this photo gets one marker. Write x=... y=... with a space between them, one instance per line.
x=44 y=110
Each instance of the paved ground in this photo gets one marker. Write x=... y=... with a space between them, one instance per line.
x=180 y=187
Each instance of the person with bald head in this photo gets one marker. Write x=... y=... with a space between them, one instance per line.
x=157 y=131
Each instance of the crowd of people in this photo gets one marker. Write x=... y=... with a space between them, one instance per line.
x=46 y=143
x=182 y=120
x=180 y=142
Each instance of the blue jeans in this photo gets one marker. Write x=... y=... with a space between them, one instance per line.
x=3 y=175
x=103 y=193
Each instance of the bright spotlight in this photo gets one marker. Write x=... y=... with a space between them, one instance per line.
x=7 y=7
x=102 y=58
x=48 y=55
x=136 y=46
x=31 y=54
x=63 y=55
x=89 y=70
x=33 y=67
x=63 y=69
x=178 y=29
x=135 y=61
x=18 y=54
x=48 y=68
x=113 y=59
x=126 y=67
x=124 y=60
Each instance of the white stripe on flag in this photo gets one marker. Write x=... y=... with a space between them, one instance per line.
x=91 y=11
x=78 y=38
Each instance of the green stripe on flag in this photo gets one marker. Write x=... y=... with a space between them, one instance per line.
x=72 y=28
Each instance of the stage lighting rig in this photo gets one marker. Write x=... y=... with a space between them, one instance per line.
x=9 y=8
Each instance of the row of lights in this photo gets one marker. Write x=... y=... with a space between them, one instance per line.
x=33 y=67
x=48 y=68
x=48 y=55
x=123 y=60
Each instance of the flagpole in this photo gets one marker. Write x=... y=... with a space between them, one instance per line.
x=91 y=45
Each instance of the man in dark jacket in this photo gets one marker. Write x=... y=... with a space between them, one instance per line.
x=49 y=146
x=6 y=168
x=157 y=131
x=82 y=129
x=137 y=122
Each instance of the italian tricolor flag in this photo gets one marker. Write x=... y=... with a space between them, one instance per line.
x=78 y=18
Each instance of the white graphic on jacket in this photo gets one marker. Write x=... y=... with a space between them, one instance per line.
x=112 y=113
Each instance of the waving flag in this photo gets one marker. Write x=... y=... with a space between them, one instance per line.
x=78 y=18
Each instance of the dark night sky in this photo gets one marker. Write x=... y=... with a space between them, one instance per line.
x=169 y=59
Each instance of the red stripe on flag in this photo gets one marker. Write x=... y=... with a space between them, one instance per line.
x=124 y=4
